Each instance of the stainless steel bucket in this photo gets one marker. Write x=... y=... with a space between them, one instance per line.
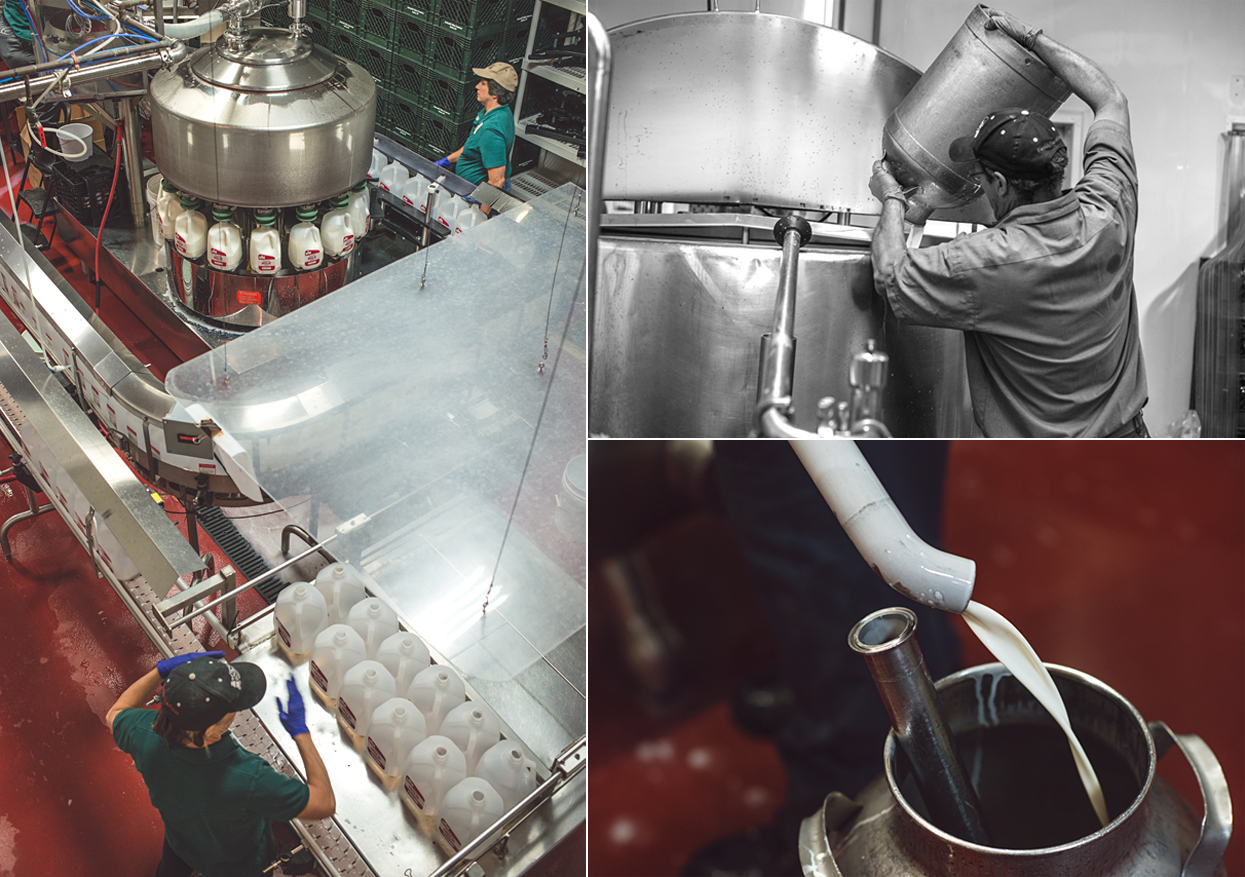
x=1039 y=820
x=978 y=72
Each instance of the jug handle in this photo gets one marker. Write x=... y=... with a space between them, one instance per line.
x=1208 y=852
x=816 y=859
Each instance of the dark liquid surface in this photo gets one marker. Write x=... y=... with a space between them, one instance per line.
x=1031 y=796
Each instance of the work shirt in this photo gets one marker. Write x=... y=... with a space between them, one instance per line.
x=216 y=803
x=1046 y=302
x=16 y=19
x=492 y=135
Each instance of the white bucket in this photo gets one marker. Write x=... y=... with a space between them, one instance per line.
x=69 y=136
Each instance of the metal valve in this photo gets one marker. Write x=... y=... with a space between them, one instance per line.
x=863 y=417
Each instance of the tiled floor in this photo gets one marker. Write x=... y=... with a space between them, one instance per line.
x=1124 y=560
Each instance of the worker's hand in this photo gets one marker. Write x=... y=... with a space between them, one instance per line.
x=883 y=181
x=1012 y=26
x=918 y=210
x=166 y=666
x=293 y=716
x=444 y=162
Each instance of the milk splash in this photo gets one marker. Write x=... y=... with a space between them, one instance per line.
x=1006 y=643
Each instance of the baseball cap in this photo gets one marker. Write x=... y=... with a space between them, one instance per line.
x=1017 y=142
x=200 y=693
x=501 y=73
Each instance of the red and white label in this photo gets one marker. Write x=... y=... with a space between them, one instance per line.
x=284 y=634
x=207 y=467
x=448 y=834
x=217 y=258
x=346 y=713
x=246 y=297
x=181 y=245
x=266 y=264
x=318 y=677
x=414 y=793
x=311 y=258
x=374 y=751
x=441 y=220
x=348 y=245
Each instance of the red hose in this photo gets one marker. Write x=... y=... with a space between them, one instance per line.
x=99 y=235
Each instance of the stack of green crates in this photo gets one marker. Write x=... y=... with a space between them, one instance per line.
x=420 y=52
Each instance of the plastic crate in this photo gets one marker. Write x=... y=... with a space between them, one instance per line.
x=405 y=120
x=421 y=10
x=439 y=136
x=376 y=21
x=474 y=17
x=345 y=16
x=344 y=43
x=454 y=55
x=450 y=96
x=406 y=78
x=374 y=60
x=516 y=40
x=82 y=189
x=410 y=37
x=275 y=16
x=321 y=31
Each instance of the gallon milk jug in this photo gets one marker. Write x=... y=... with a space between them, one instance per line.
x=224 y=241
x=378 y=164
x=306 y=251
x=360 y=210
x=474 y=729
x=508 y=772
x=168 y=208
x=404 y=655
x=433 y=768
x=265 y=243
x=469 y=216
x=397 y=728
x=447 y=211
x=416 y=193
x=301 y=615
x=190 y=230
x=466 y=811
x=337 y=228
x=374 y=621
x=337 y=648
x=436 y=691
x=342 y=587
x=393 y=178
x=365 y=686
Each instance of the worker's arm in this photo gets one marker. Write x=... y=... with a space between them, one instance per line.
x=321 y=803
x=135 y=696
x=889 y=243
x=1086 y=79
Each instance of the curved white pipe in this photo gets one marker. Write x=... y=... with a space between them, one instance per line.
x=876 y=527
x=196 y=27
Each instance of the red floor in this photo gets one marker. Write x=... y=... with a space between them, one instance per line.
x=1124 y=560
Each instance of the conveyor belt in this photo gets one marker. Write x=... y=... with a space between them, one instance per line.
x=240 y=552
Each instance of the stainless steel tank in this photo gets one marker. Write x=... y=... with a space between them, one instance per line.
x=273 y=122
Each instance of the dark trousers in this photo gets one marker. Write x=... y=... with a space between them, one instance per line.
x=173 y=865
x=815 y=586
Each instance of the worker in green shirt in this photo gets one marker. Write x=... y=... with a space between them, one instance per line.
x=15 y=48
x=485 y=157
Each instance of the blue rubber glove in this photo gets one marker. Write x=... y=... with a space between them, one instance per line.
x=293 y=717
x=444 y=162
x=167 y=665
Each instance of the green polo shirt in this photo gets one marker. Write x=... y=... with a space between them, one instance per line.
x=16 y=19
x=492 y=135
x=217 y=803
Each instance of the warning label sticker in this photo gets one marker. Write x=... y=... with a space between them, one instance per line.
x=448 y=834
x=346 y=713
x=318 y=677
x=413 y=792
x=374 y=751
x=283 y=633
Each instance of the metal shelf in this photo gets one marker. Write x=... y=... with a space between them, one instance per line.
x=568 y=77
x=568 y=151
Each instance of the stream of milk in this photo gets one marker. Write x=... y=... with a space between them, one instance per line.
x=1006 y=643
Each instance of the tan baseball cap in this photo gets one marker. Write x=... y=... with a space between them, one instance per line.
x=501 y=73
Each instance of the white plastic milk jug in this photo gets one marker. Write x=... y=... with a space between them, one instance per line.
x=337 y=228
x=468 y=217
x=397 y=728
x=306 y=250
x=508 y=772
x=365 y=686
x=433 y=768
x=224 y=241
x=474 y=729
x=168 y=208
x=416 y=192
x=393 y=178
x=265 y=243
x=466 y=811
x=404 y=655
x=436 y=691
x=447 y=210
x=337 y=648
x=360 y=210
x=190 y=230
x=342 y=587
x=374 y=621
x=377 y=165
x=301 y=615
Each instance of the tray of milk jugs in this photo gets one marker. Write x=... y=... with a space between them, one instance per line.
x=443 y=754
x=424 y=197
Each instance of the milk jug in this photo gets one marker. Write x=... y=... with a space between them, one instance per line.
x=265 y=243
x=397 y=728
x=404 y=655
x=342 y=587
x=436 y=691
x=466 y=811
x=190 y=230
x=365 y=686
x=306 y=251
x=474 y=729
x=337 y=648
x=168 y=208
x=393 y=178
x=224 y=241
x=377 y=165
x=416 y=193
x=433 y=768
x=301 y=615
x=508 y=772
x=337 y=228
x=446 y=214
x=360 y=210
x=468 y=217
x=374 y=621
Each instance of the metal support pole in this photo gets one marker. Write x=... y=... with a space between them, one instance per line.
x=35 y=511
x=133 y=162
x=777 y=370
x=600 y=62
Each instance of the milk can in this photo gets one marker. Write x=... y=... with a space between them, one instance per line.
x=1037 y=814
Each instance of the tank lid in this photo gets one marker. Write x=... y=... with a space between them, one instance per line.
x=269 y=60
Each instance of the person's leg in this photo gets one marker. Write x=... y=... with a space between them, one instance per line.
x=171 y=864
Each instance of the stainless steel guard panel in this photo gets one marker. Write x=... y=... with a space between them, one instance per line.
x=748 y=108
x=678 y=326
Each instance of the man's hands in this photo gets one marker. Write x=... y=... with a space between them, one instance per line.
x=1012 y=26
x=166 y=666
x=293 y=716
x=885 y=187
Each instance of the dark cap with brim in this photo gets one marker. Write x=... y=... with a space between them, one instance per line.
x=200 y=693
x=1016 y=142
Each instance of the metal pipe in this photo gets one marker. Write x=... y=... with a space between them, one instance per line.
x=600 y=62
x=18 y=90
x=133 y=163
x=777 y=369
x=886 y=639
x=296 y=530
x=774 y=424
x=60 y=63
x=159 y=10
